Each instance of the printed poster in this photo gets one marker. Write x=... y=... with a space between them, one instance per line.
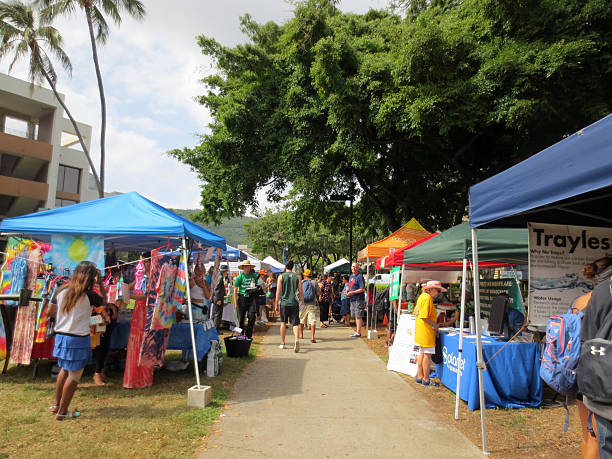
x=394 y=284
x=404 y=353
x=490 y=288
x=69 y=250
x=557 y=254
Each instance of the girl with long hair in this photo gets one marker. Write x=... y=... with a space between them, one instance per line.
x=73 y=306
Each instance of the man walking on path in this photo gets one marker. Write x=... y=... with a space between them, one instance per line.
x=425 y=331
x=245 y=296
x=356 y=295
x=309 y=315
x=218 y=297
x=287 y=303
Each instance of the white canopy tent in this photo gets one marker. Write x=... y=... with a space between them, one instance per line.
x=274 y=265
x=336 y=265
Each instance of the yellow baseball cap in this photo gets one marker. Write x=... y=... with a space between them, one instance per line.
x=307 y=272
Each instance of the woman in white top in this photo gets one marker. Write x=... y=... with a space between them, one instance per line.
x=200 y=295
x=73 y=306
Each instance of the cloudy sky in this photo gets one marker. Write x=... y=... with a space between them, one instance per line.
x=151 y=71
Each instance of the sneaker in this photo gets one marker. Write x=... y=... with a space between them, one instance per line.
x=282 y=346
x=296 y=347
x=355 y=335
x=418 y=381
x=430 y=383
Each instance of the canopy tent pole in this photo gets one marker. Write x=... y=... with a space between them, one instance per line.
x=479 y=363
x=459 y=364
x=399 y=301
x=188 y=292
x=367 y=296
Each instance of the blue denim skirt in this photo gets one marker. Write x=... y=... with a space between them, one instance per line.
x=72 y=352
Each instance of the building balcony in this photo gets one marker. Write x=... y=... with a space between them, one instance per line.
x=26 y=148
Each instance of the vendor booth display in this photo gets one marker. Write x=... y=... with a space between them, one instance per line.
x=126 y=222
x=450 y=250
x=569 y=183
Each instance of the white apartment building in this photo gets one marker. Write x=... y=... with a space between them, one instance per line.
x=41 y=163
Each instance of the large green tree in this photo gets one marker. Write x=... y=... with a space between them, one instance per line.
x=408 y=111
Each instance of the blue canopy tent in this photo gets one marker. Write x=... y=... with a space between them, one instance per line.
x=127 y=221
x=569 y=182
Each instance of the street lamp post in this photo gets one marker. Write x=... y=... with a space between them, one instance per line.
x=344 y=198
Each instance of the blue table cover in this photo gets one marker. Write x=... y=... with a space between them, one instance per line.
x=512 y=378
x=180 y=337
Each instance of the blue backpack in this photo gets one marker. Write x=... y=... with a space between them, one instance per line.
x=308 y=291
x=562 y=352
x=561 y=355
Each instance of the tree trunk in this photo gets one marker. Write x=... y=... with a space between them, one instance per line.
x=76 y=129
x=94 y=50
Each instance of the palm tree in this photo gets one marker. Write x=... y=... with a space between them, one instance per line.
x=25 y=34
x=94 y=13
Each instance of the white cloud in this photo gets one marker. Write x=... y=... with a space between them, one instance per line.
x=151 y=71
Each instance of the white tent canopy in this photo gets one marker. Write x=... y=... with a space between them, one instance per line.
x=336 y=265
x=275 y=266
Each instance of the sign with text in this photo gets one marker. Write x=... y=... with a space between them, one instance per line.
x=404 y=353
x=490 y=288
x=557 y=254
x=394 y=284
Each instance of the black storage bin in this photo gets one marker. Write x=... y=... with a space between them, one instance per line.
x=237 y=347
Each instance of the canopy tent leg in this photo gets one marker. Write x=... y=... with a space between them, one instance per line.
x=188 y=293
x=367 y=296
x=459 y=365
x=479 y=363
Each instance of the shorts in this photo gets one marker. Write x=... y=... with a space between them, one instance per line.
x=428 y=350
x=290 y=315
x=345 y=307
x=358 y=309
x=309 y=315
x=261 y=300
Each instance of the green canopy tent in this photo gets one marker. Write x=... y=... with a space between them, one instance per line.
x=455 y=245
x=451 y=250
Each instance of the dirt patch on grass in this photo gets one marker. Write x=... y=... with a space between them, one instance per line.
x=511 y=433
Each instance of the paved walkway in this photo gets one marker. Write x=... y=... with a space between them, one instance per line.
x=333 y=399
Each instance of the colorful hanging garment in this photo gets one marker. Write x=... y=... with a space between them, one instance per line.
x=23 y=337
x=165 y=309
x=154 y=343
x=69 y=250
x=180 y=284
x=136 y=376
x=2 y=339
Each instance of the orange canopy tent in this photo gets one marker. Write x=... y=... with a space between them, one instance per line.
x=407 y=234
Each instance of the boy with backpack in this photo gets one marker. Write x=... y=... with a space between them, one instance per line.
x=309 y=315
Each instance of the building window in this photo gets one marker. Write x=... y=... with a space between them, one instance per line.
x=68 y=179
x=64 y=202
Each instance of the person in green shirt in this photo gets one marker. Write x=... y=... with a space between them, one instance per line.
x=288 y=303
x=245 y=297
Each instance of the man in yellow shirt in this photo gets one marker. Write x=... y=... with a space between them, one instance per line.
x=425 y=330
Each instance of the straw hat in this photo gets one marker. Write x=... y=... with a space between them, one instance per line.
x=246 y=263
x=434 y=284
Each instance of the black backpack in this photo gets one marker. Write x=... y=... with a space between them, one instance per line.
x=595 y=365
x=381 y=300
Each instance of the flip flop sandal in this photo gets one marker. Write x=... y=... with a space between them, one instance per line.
x=53 y=409
x=68 y=415
x=313 y=340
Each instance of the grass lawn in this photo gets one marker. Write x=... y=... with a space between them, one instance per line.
x=115 y=422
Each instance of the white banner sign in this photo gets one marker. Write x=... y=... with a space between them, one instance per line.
x=403 y=354
x=557 y=254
